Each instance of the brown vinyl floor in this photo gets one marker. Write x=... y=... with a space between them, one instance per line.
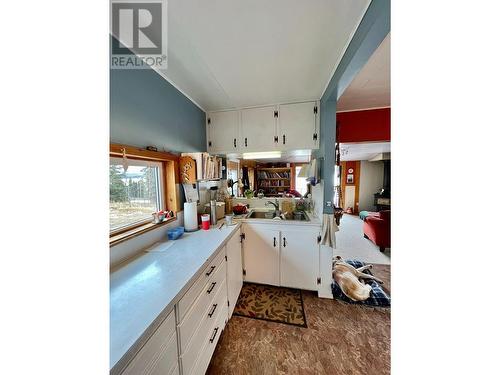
x=340 y=339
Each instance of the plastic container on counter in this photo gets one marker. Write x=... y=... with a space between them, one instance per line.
x=175 y=233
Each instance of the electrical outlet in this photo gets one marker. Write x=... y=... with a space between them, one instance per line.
x=328 y=204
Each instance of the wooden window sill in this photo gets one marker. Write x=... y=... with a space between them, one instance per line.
x=134 y=232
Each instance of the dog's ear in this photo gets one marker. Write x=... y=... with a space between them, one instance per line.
x=338 y=257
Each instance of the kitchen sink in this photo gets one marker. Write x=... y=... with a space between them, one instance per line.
x=298 y=216
x=267 y=214
x=262 y=215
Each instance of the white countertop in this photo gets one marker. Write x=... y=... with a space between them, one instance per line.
x=313 y=221
x=145 y=289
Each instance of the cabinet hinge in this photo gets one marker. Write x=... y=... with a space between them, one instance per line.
x=275 y=139
x=275 y=113
x=318 y=280
x=315 y=109
x=315 y=136
x=210 y=144
x=225 y=256
x=244 y=272
x=319 y=238
x=242 y=237
x=227 y=303
x=208 y=121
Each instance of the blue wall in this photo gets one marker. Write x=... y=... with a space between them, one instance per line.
x=372 y=30
x=146 y=110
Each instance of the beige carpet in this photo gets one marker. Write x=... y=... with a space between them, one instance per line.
x=352 y=245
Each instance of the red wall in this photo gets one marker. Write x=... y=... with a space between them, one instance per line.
x=372 y=125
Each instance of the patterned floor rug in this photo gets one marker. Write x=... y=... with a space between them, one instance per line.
x=272 y=303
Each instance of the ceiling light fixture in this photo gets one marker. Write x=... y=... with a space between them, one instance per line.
x=262 y=155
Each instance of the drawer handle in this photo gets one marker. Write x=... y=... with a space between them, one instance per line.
x=274 y=242
x=284 y=241
x=211 y=270
x=211 y=288
x=212 y=312
x=214 y=334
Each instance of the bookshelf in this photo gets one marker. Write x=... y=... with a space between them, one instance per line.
x=274 y=181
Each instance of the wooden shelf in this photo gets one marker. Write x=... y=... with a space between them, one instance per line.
x=273 y=178
x=275 y=168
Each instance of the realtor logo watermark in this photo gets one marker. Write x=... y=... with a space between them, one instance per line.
x=139 y=30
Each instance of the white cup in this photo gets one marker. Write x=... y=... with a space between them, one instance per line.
x=229 y=220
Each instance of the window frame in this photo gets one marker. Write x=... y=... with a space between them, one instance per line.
x=160 y=194
x=168 y=178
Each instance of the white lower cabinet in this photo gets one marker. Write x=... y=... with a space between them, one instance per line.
x=234 y=271
x=281 y=256
x=299 y=260
x=203 y=311
x=185 y=341
x=159 y=354
x=261 y=259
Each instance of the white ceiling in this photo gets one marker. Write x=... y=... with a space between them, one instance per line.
x=371 y=88
x=227 y=54
x=363 y=151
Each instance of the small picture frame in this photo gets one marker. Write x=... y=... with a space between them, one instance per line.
x=350 y=179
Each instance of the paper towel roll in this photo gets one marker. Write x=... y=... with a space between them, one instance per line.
x=190 y=216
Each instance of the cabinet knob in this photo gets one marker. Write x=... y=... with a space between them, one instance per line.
x=214 y=334
x=211 y=270
x=211 y=288
x=213 y=310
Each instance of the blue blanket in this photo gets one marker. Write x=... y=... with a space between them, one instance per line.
x=378 y=297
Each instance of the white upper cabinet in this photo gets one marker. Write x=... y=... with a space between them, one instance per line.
x=284 y=127
x=222 y=131
x=298 y=126
x=258 y=129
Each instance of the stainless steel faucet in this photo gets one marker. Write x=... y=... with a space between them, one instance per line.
x=275 y=204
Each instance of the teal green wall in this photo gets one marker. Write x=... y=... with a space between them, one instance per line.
x=372 y=30
x=147 y=110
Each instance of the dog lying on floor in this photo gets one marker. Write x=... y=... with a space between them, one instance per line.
x=351 y=280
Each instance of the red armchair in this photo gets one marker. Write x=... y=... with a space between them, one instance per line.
x=377 y=228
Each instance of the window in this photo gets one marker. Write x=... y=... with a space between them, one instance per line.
x=135 y=193
x=300 y=182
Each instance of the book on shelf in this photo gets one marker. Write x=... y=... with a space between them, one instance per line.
x=207 y=167
x=270 y=174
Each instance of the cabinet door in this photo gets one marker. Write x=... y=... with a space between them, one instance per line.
x=234 y=270
x=297 y=126
x=222 y=131
x=261 y=254
x=258 y=129
x=299 y=258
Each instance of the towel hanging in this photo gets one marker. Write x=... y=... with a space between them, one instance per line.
x=328 y=230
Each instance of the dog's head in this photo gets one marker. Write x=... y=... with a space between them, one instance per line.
x=336 y=259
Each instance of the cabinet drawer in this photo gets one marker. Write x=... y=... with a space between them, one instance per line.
x=159 y=354
x=204 y=331
x=193 y=292
x=209 y=345
x=202 y=306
